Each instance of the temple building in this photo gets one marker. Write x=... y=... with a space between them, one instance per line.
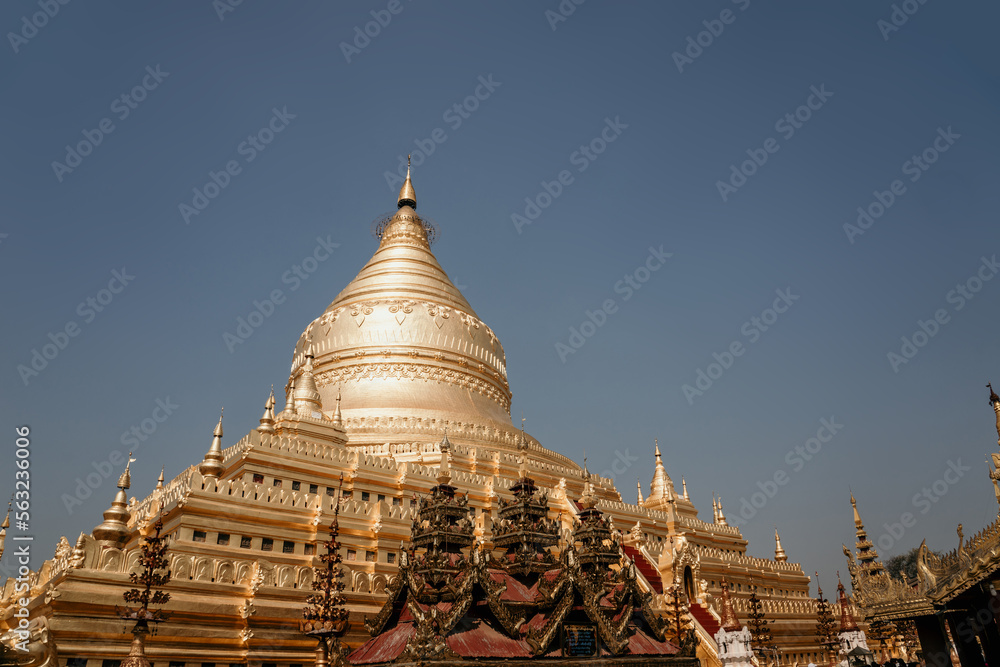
x=454 y=601
x=953 y=604
x=399 y=387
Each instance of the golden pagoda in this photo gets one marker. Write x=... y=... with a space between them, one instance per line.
x=396 y=386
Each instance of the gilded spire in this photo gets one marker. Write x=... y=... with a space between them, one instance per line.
x=338 y=418
x=722 y=517
x=212 y=465
x=638 y=485
x=779 y=553
x=290 y=396
x=444 y=471
x=684 y=487
x=267 y=419
x=114 y=528
x=715 y=509
x=867 y=555
x=159 y=480
x=729 y=621
x=307 y=398
x=659 y=488
x=125 y=480
x=407 y=197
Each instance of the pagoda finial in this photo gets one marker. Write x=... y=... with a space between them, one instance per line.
x=722 y=517
x=684 y=486
x=125 y=480
x=338 y=418
x=659 y=488
x=159 y=480
x=444 y=471
x=779 y=553
x=867 y=555
x=267 y=419
x=114 y=529
x=522 y=442
x=211 y=466
x=307 y=397
x=715 y=509
x=638 y=486
x=407 y=196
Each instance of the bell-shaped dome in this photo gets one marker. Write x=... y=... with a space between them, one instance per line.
x=401 y=341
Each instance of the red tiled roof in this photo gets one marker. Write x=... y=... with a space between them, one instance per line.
x=472 y=638
x=385 y=647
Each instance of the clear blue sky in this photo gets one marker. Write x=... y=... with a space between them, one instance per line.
x=673 y=127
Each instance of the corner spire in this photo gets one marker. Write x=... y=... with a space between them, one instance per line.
x=212 y=466
x=114 y=529
x=407 y=197
x=779 y=553
x=267 y=419
x=338 y=418
x=722 y=517
x=659 y=489
x=729 y=621
x=307 y=397
x=444 y=470
x=159 y=480
x=684 y=486
x=847 y=622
